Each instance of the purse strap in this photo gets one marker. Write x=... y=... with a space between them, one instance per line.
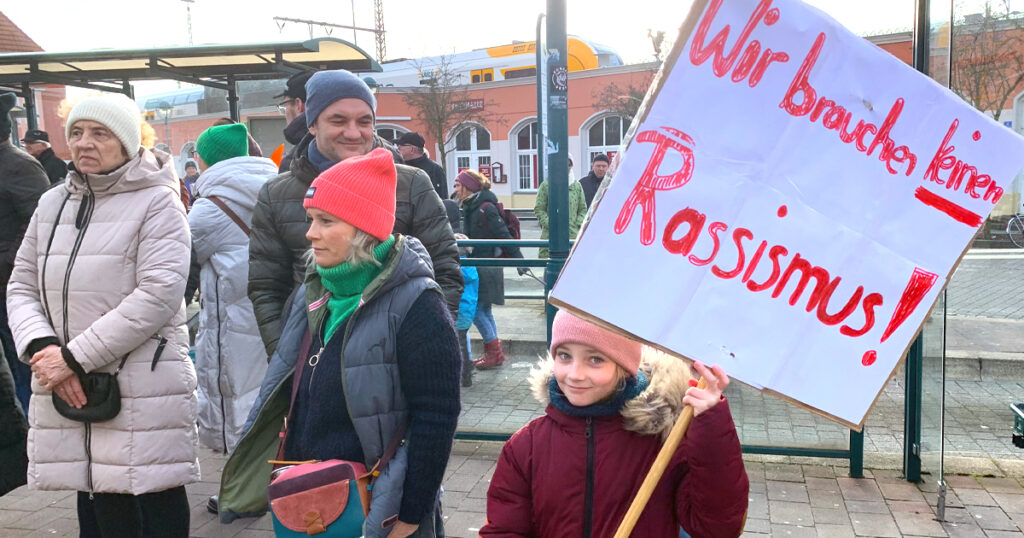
x=224 y=207
x=75 y=367
x=307 y=342
x=389 y=452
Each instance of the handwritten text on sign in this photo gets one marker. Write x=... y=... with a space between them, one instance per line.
x=788 y=205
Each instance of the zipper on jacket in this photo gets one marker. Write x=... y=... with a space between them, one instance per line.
x=588 y=503
x=82 y=223
x=82 y=220
x=220 y=369
x=314 y=359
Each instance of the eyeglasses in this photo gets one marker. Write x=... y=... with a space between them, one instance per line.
x=283 y=105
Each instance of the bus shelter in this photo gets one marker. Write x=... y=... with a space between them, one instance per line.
x=214 y=66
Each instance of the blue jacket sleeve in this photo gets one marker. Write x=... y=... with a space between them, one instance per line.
x=467 y=305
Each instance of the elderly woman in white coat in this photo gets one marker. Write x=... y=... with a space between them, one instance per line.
x=97 y=287
x=230 y=357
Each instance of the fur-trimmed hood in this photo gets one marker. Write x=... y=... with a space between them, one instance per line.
x=655 y=410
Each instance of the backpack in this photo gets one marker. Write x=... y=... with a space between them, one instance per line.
x=509 y=218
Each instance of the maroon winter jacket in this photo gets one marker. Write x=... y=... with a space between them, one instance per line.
x=541 y=481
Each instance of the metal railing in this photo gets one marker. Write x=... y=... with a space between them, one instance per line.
x=855 y=452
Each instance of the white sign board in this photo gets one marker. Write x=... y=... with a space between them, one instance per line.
x=790 y=205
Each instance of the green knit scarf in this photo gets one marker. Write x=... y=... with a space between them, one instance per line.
x=346 y=283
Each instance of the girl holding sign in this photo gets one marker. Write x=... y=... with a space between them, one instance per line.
x=611 y=401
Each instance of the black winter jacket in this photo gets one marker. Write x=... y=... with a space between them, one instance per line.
x=294 y=132
x=22 y=181
x=485 y=222
x=435 y=172
x=590 y=183
x=278 y=244
x=55 y=167
x=13 y=433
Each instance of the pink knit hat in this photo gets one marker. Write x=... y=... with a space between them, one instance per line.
x=569 y=329
x=469 y=181
x=360 y=191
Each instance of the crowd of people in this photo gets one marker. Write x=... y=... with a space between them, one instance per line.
x=333 y=321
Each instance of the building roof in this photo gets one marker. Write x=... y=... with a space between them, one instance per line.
x=12 y=39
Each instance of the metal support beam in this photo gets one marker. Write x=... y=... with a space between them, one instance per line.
x=286 y=67
x=30 y=106
x=54 y=78
x=174 y=74
x=233 y=98
x=127 y=89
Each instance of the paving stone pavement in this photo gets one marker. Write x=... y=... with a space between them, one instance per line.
x=788 y=497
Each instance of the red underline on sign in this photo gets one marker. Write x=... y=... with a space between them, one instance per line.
x=958 y=213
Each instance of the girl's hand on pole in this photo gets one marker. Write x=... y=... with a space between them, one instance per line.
x=703 y=399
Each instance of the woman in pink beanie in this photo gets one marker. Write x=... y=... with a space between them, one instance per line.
x=379 y=364
x=611 y=401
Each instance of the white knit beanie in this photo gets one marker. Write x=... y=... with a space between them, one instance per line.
x=115 y=111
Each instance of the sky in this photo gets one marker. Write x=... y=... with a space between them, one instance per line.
x=414 y=29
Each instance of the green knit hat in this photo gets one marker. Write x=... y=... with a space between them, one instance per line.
x=223 y=142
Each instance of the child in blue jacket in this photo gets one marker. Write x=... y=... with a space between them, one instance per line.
x=467 y=311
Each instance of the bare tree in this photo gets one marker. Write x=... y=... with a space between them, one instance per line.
x=988 y=57
x=443 y=102
x=624 y=101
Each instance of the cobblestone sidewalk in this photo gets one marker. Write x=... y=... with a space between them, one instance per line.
x=786 y=500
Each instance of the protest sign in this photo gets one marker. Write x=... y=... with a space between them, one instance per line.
x=789 y=206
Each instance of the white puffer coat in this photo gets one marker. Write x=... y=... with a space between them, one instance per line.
x=230 y=357
x=115 y=295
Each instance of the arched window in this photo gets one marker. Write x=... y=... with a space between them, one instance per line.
x=473 y=149
x=605 y=136
x=526 y=156
x=188 y=150
x=390 y=133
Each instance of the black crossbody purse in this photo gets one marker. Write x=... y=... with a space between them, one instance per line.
x=102 y=395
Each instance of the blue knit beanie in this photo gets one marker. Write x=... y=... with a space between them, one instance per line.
x=326 y=87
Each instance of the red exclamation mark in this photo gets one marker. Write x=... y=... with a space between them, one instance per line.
x=920 y=284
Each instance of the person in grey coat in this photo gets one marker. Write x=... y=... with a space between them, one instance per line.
x=230 y=358
x=22 y=181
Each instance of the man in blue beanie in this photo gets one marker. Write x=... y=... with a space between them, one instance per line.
x=340 y=115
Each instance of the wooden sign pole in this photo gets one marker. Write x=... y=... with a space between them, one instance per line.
x=657 y=469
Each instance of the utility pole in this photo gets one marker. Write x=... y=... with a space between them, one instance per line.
x=382 y=49
x=188 y=11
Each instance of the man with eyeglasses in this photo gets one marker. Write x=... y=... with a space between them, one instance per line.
x=293 y=107
x=410 y=145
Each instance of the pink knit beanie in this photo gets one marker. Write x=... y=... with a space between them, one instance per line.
x=360 y=191
x=469 y=181
x=569 y=329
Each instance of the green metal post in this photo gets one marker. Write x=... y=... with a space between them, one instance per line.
x=30 y=106
x=856 y=454
x=542 y=125
x=915 y=356
x=912 y=419
x=556 y=146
